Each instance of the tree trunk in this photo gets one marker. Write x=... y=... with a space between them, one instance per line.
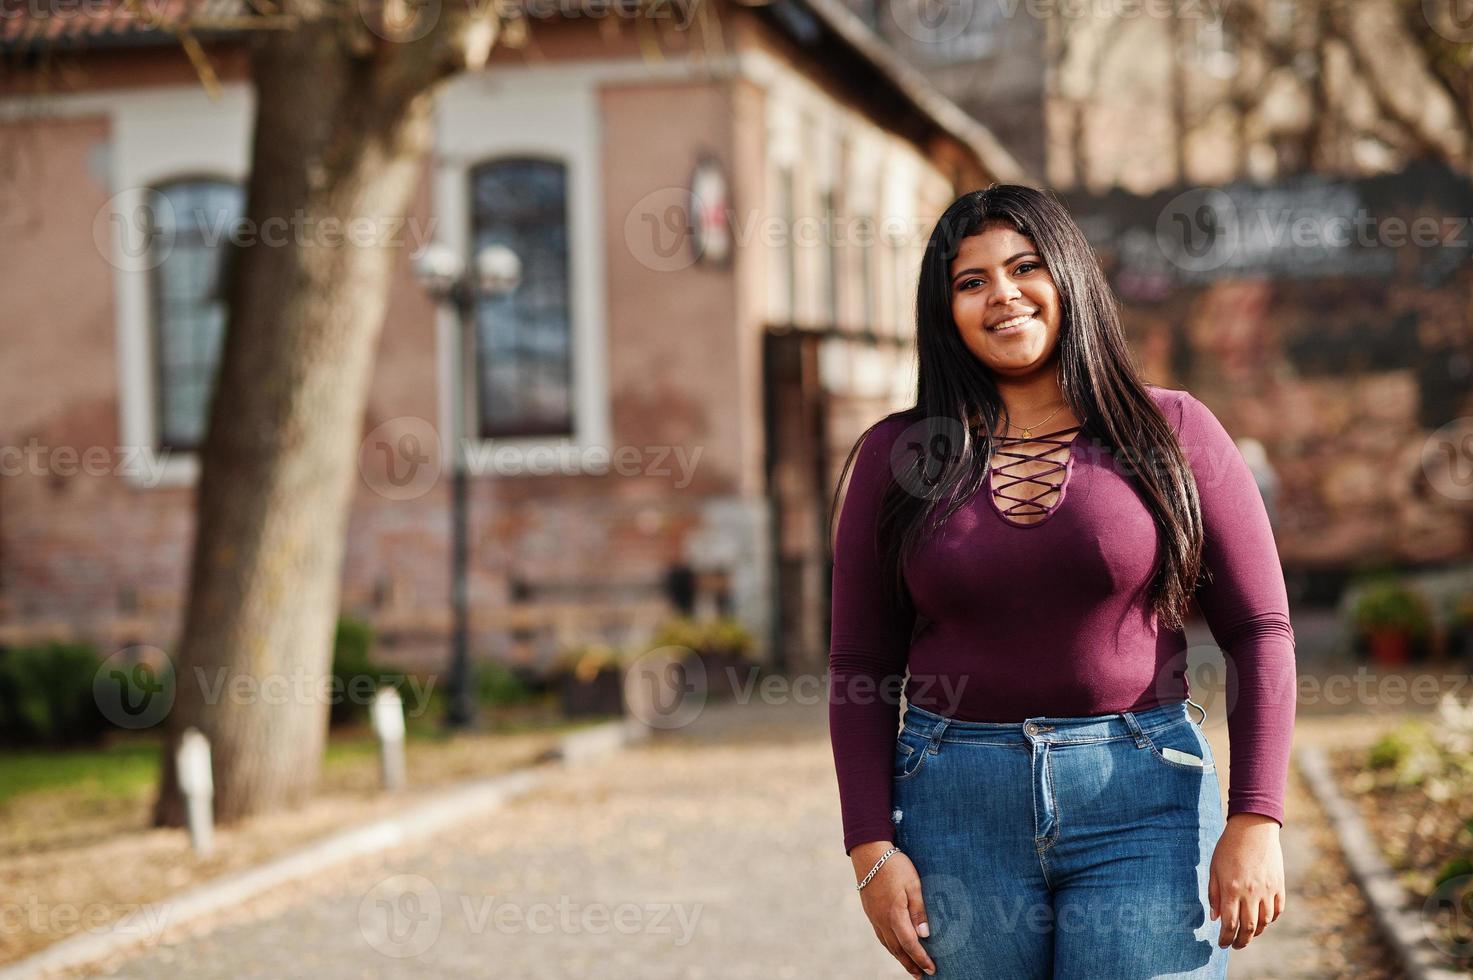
x=337 y=136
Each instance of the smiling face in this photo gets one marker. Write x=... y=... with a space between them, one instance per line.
x=1005 y=303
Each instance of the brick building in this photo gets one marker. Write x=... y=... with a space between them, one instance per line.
x=733 y=386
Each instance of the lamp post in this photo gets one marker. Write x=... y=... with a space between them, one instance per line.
x=495 y=271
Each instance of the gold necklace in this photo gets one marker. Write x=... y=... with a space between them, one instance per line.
x=1028 y=429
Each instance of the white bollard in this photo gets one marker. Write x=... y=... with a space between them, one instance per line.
x=388 y=725
x=192 y=762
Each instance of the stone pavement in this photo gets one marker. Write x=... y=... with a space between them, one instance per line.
x=714 y=853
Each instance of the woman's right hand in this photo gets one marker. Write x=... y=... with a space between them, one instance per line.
x=892 y=901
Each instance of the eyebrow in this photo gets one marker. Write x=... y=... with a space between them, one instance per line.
x=1007 y=261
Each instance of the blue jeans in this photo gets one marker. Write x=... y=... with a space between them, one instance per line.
x=1063 y=847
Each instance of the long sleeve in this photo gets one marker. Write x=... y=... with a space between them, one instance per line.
x=867 y=652
x=1246 y=606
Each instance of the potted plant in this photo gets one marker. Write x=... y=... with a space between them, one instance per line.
x=729 y=647
x=724 y=647
x=592 y=680
x=1391 y=616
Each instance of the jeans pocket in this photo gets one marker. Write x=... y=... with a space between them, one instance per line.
x=1182 y=746
x=910 y=754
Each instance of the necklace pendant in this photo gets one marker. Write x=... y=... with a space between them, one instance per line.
x=1027 y=433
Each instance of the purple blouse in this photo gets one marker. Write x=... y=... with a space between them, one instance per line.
x=1012 y=619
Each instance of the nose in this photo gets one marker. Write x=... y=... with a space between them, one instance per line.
x=1005 y=292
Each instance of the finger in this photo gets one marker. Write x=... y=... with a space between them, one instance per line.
x=1278 y=906
x=1228 y=911
x=1212 y=894
x=1262 y=916
x=918 y=916
x=897 y=951
x=1247 y=922
x=922 y=924
x=905 y=934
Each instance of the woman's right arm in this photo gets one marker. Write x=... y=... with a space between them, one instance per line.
x=868 y=648
x=867 y=656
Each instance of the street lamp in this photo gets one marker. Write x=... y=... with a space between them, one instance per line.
x=495 y=271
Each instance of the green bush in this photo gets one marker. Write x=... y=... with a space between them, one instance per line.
x=352 y=659
x=1388 y=751
x=46 y=695
x=496 y=683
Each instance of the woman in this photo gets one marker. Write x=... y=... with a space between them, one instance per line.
x=1025 y=541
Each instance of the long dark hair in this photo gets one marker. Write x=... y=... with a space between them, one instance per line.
x=958 y=406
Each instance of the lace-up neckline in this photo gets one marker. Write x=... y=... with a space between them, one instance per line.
x=1043 y=488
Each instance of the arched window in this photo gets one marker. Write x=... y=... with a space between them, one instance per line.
x=524 y=384
x=192 y=220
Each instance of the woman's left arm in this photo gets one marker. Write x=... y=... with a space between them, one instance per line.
x=1245 y=603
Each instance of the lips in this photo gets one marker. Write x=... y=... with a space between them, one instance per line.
x=1012 y=323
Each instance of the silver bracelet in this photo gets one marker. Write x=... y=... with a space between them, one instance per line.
x=883 y=858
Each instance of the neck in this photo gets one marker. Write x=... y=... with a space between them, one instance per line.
x=1028 y=399
x=1036 y=401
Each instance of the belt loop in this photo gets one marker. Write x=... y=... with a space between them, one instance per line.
x=1135 y=729
x=935 y=741
x=1199 y=708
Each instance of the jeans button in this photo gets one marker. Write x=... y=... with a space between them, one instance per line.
x=1031 y=728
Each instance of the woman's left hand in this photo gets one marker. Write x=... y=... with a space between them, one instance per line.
x=1246 y=884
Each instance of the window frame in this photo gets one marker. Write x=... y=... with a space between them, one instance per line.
x=559 y=120
x=475 y=392
x=155 y=319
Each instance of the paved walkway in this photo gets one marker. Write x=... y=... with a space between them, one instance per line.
x=713 y=854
